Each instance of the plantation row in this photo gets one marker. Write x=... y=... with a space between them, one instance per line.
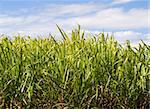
x=76 y=73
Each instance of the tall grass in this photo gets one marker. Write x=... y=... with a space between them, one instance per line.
x=75 y=73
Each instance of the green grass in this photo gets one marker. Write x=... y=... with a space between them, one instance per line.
x=75 y=73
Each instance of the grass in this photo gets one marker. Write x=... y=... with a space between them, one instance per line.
x=76 y=73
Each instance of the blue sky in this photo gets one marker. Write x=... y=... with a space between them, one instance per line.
x=126 y=19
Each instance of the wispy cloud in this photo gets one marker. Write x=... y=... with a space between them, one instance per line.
x=121 y=1
x=115 y=18
x=90 y=16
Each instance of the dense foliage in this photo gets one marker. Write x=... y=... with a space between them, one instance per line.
x=75 y=73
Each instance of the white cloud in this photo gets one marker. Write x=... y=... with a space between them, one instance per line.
x=134 y=37
x=8 y=20
x=121 y=1
x=123 y=36
x=115 y=18
x=88 y=15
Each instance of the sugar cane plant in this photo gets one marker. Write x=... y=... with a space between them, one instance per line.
x=75 y=73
